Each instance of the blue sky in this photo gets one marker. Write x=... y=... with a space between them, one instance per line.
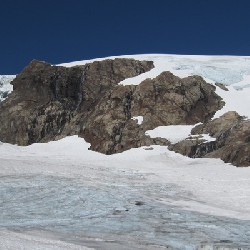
x=62 y=31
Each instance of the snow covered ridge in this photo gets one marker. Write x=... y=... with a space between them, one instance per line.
x=229 y=70
x=5 y=86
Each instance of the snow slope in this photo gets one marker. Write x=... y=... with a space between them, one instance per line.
x=166 y=166
x=58 y=193
x=61 y=195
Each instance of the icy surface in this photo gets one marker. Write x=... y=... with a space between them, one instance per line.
x=139 y=199
x=5 y=86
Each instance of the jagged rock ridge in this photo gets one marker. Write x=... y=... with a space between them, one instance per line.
x=51 y=102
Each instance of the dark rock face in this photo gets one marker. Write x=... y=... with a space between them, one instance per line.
x=170 y=100
x=232 y=133
x=51 y=102
x=47 y=100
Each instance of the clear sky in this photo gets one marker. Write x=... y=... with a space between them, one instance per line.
x=61 y=31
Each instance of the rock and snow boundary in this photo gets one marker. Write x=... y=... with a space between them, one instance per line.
x=232 y=71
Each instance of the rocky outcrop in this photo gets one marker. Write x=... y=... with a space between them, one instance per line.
x=232 y=133
x=51 y=102
x=170 y=100
x=48 y=101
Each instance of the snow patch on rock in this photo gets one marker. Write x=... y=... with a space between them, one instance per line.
x=138 y=119
x=173 y=133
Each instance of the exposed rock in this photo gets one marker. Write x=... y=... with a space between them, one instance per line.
x=170 y=100
x=139 y=203
x=50 y=102
x=232 y=133
x=222 y=86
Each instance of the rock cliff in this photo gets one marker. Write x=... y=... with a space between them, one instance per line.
x=51 y=102
x=232 y=144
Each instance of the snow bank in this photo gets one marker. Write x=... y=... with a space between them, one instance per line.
x=213 y=183
x=173 y=133
x=139 y=119
x=235 y=100
x=14 y=240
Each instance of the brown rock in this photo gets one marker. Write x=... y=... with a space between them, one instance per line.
x=169 y=100
x=232 y=143
x=50 y=102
